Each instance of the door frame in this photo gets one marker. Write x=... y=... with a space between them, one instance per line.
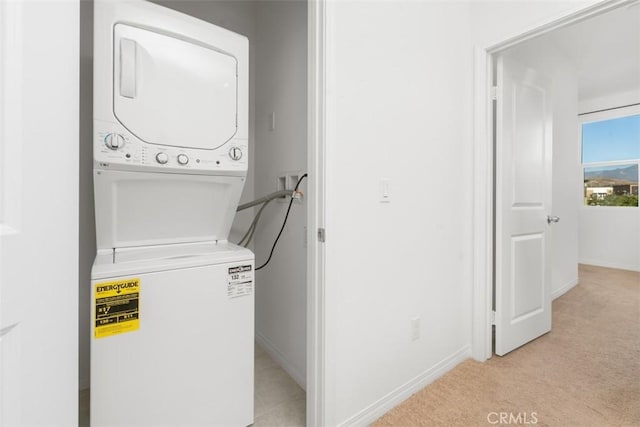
x=316 y=125
x=483 y=162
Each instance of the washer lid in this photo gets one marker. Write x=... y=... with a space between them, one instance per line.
x=136 y=261
x=146 y=209
x=173 y=91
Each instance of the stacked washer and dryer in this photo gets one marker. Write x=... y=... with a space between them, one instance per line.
x=172 y=299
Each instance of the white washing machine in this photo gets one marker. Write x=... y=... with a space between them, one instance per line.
x=172 y=299
x=182 y=351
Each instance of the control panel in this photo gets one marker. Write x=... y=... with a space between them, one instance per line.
x=115 y=148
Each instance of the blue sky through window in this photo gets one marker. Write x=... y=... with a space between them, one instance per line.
x=611 y=140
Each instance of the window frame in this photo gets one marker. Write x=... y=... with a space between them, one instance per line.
x=600 y=116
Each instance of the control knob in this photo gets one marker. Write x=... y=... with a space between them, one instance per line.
x=183 y=159
x=162 y=158
x=235 y=153
x=113 y=141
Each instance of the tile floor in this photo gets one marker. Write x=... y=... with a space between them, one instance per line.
x=278 y=400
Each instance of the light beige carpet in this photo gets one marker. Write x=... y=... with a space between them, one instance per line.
x=585 y=372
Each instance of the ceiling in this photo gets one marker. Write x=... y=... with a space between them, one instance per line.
x=605 y=51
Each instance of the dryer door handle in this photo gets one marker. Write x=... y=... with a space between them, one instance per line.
x=127 y=68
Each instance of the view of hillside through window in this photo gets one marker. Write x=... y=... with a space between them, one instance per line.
x=610 y=160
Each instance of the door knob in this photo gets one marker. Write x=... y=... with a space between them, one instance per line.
x=551 y=219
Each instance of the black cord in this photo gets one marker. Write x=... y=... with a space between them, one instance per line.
x=283 y=224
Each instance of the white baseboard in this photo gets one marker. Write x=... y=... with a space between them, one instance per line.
x=608 y=264
x=299 y=377
x=402 y=393
x=564 y=289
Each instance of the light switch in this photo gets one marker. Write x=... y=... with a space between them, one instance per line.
x=385 y=191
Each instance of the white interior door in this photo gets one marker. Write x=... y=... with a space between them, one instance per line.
x=523 y=204
x=39 y=64
x=11 y=299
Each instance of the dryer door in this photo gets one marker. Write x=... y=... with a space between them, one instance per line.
x=173 y=91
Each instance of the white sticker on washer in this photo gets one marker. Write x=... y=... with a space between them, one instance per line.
x=240 y=281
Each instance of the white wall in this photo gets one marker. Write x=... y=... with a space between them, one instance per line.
x=399 y=96
x=281 y=87
x=398 y=108
x=609 y=234
x=609 y=237
x=495 y=21
x=543 y=55
x=613 y=100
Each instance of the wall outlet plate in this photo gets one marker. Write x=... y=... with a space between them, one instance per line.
x=288 y=181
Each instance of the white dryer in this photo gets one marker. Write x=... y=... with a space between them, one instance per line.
x=172 y=299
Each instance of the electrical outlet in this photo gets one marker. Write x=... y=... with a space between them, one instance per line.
x=415 y=328
x=288 y=181
x=292 y=180
x=294 y=177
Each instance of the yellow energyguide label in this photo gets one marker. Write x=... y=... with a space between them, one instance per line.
x=117 y=307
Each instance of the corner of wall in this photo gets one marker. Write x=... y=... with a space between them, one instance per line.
x=281 y=90
x=377 y=409
x=614 y=100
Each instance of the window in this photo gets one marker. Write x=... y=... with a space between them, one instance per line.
x=611 y=159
